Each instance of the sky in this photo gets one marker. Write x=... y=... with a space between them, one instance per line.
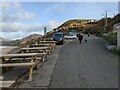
x=20 y=19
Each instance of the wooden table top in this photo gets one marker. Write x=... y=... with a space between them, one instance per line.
x=41 y=44
x=18 y=55
x=48 y=41
x=34 y=48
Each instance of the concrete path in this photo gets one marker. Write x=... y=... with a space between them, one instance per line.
x=84 y=65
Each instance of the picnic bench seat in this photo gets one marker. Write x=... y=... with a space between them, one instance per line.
x=52 y=43
x=17 y=64
x=6 y=84
x=49 y=45
x=40 y=51
x=24 y=59
x=32 y=61
x=30 y=64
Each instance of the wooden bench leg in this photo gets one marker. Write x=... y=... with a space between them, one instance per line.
x=35 y=68
x=30 y=73
x=43 y=58
x=34 y=59
x=48 y=52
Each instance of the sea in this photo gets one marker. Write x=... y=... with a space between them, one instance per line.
x=2 y=47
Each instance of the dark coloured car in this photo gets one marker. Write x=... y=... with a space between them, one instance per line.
x=58 y=37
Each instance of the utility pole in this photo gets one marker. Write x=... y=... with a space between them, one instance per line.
x=106 y=24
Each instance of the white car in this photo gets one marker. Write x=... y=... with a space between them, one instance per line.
x=70 y=36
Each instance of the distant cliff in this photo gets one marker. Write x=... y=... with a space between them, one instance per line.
x=27 y=40
x=4 y=42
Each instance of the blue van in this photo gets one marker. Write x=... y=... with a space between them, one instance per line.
x=58 y=37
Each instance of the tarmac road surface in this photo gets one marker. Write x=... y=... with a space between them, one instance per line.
x=85 y=65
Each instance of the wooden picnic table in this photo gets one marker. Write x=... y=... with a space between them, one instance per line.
x=49 y=45
x=17 y=55
x=35 y=48
x=53 y=43
x=47 y=42
x=30 y=64
x=43 y=49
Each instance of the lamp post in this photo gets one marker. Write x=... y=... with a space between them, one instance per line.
x=45 y=30
x=106 y=25
x=105 y=21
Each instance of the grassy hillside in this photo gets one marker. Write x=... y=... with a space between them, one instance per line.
x=75 y=25
x=99 y=27
x=87 y=25
x=72 y=26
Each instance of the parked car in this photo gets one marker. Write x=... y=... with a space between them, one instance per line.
x=70 y=36
x=58 y=38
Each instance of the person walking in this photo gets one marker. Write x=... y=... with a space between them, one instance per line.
x=80 y=37
x=88 y=34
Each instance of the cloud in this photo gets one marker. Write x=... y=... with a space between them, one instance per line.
x=15 y=27
x=4 y=5
x=52 y=24
x=18 y=30
x=58 y=8
x=25 y=15
x=11 y=27
x=62 y=0
x=12 y=12
x=13 y=21
x=34 y=28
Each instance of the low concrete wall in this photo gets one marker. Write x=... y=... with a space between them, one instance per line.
x=118 y=38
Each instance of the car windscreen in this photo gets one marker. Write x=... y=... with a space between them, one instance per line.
x=57 y=35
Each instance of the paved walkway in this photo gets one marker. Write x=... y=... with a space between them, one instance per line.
x=84 y=65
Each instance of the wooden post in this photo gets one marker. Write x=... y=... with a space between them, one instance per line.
x=30 y=73
x=31 y=70
x=34 y=60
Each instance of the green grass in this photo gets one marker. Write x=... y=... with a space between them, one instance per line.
x=111 y=37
